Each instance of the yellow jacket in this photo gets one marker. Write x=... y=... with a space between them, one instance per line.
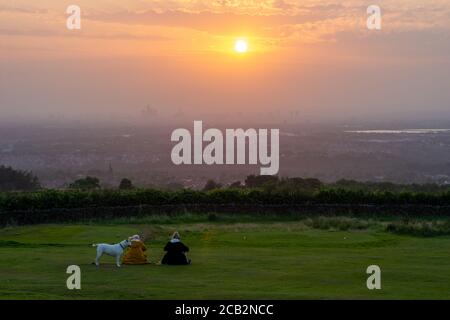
x=136 y=253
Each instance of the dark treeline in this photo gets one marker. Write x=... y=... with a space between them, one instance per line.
x=255 y=190
x=311 y=185
x=16 y=180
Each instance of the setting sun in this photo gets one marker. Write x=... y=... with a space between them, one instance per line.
x=241 y=46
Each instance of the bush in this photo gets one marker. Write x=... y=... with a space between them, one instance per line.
x=211 y=185
x=337 y=223
x=126 y=184
x=88 y=183
x=420 y=228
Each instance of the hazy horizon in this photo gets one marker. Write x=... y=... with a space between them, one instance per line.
x=315 y=61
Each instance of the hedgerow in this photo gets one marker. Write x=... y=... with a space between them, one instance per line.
x=69 y=199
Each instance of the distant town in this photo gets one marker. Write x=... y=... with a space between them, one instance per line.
x=60 y=155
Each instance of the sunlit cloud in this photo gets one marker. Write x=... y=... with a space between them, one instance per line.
x=299 y=53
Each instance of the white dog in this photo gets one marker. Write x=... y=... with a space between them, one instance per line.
x=114 y=250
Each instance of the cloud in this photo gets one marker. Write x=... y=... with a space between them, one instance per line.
x=52 y=33
x=274 y=20
x=290 y=19
x=21 y=10
x=209 y=21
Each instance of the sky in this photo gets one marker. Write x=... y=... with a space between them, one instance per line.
x=306 y=60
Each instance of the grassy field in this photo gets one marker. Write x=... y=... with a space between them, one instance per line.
x=231 y=260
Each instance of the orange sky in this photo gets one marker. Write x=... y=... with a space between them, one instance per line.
x=315 y=58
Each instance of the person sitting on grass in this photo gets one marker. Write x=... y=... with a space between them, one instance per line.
x=176 y=252
x=136 y=253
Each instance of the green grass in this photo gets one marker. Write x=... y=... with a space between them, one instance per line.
x=266 y=259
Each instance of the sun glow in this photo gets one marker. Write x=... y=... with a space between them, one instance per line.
x=241 y=46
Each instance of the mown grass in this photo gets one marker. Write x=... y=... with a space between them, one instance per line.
x=309 y=258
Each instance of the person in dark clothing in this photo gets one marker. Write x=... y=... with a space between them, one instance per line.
x=176 y=252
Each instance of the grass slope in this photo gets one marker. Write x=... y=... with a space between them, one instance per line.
x=264 y=260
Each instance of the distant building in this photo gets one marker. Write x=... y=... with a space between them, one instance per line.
x=110 y=170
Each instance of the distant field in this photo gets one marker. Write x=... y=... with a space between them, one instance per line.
x=251 y=260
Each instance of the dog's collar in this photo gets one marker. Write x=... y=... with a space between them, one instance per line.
x=121 y=246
